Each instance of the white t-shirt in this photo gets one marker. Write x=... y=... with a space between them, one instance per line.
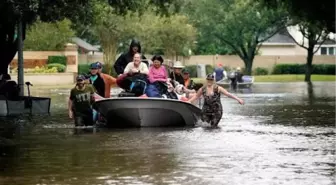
x=142 y=67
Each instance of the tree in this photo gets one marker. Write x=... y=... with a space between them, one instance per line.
x=206 y=44
x=176 y=34
x=243 y=25
x=26 y=11
x=315 y=35
x=319 y=12
x=43 y=36
x=111 y=29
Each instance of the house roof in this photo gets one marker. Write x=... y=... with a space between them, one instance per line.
x=81 y=43
x=329 y=42
x=280 y=38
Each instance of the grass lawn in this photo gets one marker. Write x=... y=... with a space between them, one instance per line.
x=285 y=78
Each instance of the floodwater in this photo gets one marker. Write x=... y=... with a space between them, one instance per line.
x=284 y=134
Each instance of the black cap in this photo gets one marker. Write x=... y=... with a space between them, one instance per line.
x=99 y=65
x=210 y=77
x=94 y=66
x=80 y=77
x=185 y=71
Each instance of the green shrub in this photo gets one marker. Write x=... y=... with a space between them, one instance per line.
x=289 y=69
x=57 y=60
x=41 y=70
x=83 y=68
x=192 y=70
x=260 y=71
x=209 y=69
x=60 y=67
x=327 y=69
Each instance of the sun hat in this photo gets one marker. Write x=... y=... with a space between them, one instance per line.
x=178 y=65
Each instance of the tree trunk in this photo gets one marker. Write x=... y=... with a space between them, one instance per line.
x=248 y=66
x=9 y=47
x=7 y=54
x=110 y=52
x=309 y=64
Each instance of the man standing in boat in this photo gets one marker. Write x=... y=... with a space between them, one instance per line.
x=126 y=58
x=109 y=81
x=80 y=102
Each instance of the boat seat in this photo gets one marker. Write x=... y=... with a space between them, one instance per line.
x=126 y=94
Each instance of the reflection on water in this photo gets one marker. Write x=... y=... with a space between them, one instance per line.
x=283 y=135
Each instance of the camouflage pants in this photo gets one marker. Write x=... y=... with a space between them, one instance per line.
x=212 y=116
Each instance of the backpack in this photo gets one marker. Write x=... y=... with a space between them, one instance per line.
x=138 y=87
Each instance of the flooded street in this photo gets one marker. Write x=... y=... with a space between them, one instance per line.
x=285 y=134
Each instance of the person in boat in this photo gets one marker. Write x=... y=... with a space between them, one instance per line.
x=9 y=89
x=96 y=80
x=109 y=81
x=126 y=58
x=219 y=72
x=80 y=102
x=157 y=77
x=171 y=90
x=239 y=75
x=212 y=109
x=176 y=74
x=134 y=78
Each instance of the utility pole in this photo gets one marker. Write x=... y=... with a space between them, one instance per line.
x=20 y=59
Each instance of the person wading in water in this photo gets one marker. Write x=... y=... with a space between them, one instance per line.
x=80 y=102
x=212 y=109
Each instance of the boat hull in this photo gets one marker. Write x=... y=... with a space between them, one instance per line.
x=248 y=82
x=239 y=85
x=147 y=112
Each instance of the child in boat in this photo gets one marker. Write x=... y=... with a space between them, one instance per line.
x=80 y=103
x=212 y=108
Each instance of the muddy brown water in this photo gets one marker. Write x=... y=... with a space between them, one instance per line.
x=285 y=134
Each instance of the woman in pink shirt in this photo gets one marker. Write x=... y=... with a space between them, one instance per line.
x=157 y=77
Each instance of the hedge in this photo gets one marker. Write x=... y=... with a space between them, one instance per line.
x=260 y=71
x=60 y=67
x=57 y=60
x=326 y=69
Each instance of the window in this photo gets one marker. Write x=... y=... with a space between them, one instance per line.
x=331 y=51
x=323 y=50
x=328 y=50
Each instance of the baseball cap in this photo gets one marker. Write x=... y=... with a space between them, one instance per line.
x=80 y=77
x=210 y=77
x=94 y=66
x=185 y=71
x=99 y=65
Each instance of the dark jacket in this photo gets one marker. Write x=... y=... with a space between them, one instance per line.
x=98 y=84
x=126 y=58
x=177 y=77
